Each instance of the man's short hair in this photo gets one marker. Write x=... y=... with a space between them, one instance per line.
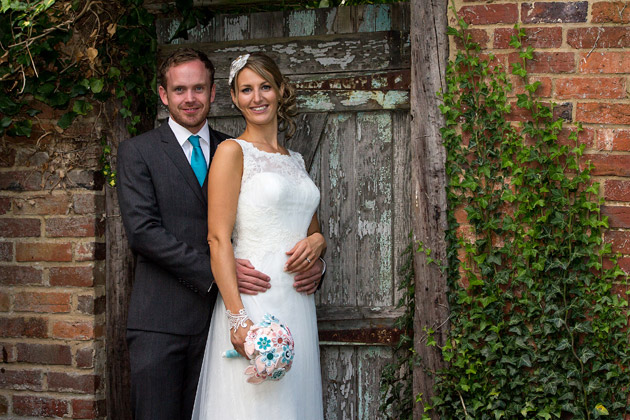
x=184 y=55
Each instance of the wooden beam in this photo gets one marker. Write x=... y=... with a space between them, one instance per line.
x=291 y=23
x=119 y=274
x=353 y=91
x=313 y=55
x=429 y=53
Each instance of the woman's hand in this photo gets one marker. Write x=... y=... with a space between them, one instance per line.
x=304 y=254
x=238 y=338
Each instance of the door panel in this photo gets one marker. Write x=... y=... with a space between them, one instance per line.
x=351 y=68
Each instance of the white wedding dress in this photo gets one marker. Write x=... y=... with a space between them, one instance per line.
x=275 y=207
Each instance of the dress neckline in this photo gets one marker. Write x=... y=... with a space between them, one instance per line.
x=264 y=151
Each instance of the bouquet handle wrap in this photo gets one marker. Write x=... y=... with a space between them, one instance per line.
x=231 y=354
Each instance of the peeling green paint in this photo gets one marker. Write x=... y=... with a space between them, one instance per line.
x=287 y=49
x=383 y=20
x=387 y=100
x=342 y=62
x=378 y=82
x=371 y=228
x=334 y=161
x=319 y=101
x=235 y=28
x=301 y=23
x=369 y=363
x=239 y=49
x=367 y=24
x=376 y=18
x=322 y=56
x=383 y=123
x=385 y=263
x=330 y=20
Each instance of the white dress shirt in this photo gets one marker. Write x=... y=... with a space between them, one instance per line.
x=182 y=134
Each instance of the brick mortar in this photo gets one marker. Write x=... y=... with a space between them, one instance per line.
x=76 y=337
x=66 y=396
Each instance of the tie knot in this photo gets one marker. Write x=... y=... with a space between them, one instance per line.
x=194 y=140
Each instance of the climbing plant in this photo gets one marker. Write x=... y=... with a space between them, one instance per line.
x=539 y=306
x=395 y=384
x=69 y=54
x=539 y=321
x=72 y=57
x=75 y=56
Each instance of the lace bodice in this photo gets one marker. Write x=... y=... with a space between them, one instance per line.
x=276 y=202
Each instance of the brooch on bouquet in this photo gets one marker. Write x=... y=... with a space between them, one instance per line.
x=270 y=348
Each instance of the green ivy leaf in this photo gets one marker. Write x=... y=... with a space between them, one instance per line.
x=586 y=354
x=57 y=99
x=82 y=107
x=21 y=128
x=46 y=89
x=78 y=90
x=96 y=85
x=114 y=73
x=66 y=119
x=5 y=122
x=7 y=106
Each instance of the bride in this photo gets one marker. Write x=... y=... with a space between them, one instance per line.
x=261 y=207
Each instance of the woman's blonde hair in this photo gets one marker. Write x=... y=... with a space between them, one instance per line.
x=266 y=68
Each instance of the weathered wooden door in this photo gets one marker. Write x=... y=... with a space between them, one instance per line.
x=352 y=68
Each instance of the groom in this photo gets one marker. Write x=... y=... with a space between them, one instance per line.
x=162 y=189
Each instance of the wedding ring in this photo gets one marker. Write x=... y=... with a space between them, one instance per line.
x=308 y=260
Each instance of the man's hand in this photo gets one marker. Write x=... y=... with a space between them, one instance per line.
x=250 y=281
x=308 y=281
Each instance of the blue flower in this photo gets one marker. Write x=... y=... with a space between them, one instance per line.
x=263 y=344
x=270 y=358
x=268 y=319
x=278 y=374
x=287 y=355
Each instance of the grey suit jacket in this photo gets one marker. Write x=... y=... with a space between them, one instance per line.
x=164 y=211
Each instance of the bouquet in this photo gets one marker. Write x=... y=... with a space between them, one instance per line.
x=270 y=348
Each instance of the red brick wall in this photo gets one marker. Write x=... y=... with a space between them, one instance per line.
x=52 y=286
x=583 y=63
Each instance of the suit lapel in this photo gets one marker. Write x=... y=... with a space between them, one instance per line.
x=175 y=153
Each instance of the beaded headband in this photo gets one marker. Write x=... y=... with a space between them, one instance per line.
x=237 y=65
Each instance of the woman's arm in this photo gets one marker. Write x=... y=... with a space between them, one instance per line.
x=304 y=254
x=224 y=184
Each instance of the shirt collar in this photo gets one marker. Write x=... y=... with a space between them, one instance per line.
x=182 y=133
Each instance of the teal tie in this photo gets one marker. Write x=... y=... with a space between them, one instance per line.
x=197 y=161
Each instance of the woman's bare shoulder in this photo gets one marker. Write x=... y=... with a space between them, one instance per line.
x=230 y=150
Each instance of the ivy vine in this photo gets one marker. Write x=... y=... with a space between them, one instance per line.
x=396 y=386
x=539 y=322
x=76 y=56
x=539 y=305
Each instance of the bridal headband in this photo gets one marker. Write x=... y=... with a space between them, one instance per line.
x=237 y=65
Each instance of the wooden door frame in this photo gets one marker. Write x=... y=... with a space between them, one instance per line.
x=429 y=56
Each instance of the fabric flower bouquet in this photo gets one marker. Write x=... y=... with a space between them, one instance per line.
x=270 y=348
